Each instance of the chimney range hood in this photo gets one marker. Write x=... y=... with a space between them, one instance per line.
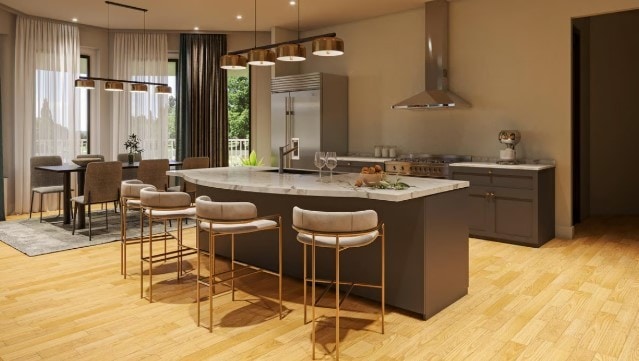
x=437 y=95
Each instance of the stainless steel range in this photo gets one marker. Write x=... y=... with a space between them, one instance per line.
x=423 y=165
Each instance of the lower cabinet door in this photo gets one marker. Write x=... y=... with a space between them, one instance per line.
x=481 y=216
x=514 y=218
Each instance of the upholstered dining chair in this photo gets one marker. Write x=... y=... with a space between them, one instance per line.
x=190 y=163
x=129 y=173
x=43 y=182
x=101 y=185
x=221 y=219
x=338 y=231
x=153 y=171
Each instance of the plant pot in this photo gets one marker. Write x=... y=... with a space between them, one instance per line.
x=130 y=158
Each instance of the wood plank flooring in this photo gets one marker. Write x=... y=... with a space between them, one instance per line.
x=569 y=300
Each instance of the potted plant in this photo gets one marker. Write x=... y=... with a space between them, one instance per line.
x=132 y=145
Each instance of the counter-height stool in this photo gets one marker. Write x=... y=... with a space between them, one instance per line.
x=129 y=200
x=162 y=206
x=231 y=218
x=339 y=231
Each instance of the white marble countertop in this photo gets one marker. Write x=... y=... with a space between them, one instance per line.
x=503 y=166
x=362 y=159
x=255 y=179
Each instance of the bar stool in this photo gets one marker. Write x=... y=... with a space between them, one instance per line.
x=340 y=231
x=231 y=218
x=129 y=200
x=163 y=206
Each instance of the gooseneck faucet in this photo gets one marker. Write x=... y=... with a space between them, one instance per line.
x=291 y=148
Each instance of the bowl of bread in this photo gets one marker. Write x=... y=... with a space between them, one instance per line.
x=370 y=176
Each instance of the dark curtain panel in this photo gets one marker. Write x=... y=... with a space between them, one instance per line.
x=202 y=124
x=2 y=195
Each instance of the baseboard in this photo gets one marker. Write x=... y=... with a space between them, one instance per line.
x=564 y=232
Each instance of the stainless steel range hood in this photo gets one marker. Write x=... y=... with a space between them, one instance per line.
x=437 y=95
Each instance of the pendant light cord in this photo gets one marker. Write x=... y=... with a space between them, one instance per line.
x=109 y=40
x=255 y=25
x=298 y=20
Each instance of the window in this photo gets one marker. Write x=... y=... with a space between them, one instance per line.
x=172 y=120
x=85 y=103
x=239 y=114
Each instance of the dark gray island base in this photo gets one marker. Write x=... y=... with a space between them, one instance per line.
x=426 y=245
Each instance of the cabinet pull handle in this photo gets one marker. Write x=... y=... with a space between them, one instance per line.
x=490 y=172
x=487 y=195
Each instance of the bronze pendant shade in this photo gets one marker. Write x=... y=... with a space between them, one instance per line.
x=163 y=89
x=114 y=86
x=233 y=62
x=261 y=57
x=291 y=52
x=85 y=83
x=139 y=88
x=328 y=46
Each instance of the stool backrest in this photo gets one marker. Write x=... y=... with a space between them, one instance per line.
x=131 y=188
x=320 y=221
x=151 y=198
x=224 y=211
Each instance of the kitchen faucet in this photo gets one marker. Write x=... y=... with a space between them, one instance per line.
x=293 y=147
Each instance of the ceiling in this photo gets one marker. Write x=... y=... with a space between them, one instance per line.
x=209 y=15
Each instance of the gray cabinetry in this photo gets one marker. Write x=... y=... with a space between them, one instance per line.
x=511 y=205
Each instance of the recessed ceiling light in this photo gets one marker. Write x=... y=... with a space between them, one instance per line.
x=196 y=28
x=292 y=2
x=238 y=17
x=75 y=20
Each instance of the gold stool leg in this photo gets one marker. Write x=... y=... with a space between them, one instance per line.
x=232 y=267
x=279 y=248
x=313 y=293
x=383 y=276
x=211 y=275
x=197 y=281
x=304 y=279
x=337 y=300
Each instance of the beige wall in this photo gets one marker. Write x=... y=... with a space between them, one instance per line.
x=510 y=59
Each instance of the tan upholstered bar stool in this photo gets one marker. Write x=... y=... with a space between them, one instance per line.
x=129 y=200
x=231 y=218
x=163 y=206
x=340 y=231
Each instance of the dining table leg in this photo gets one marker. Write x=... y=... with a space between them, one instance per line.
x=66 y=190
x=80 y=223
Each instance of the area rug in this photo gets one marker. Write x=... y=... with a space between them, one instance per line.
x=33 y=238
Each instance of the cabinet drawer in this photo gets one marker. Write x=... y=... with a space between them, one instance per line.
x=497 y=178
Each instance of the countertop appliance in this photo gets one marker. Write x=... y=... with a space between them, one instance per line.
x=423 y=165
x=311 y=112
x=510 y=138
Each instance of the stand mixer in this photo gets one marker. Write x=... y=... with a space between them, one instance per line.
x=510 y=138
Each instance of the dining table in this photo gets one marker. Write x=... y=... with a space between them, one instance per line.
x=66 y=170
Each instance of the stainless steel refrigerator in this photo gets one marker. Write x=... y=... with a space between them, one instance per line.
x=312 y=111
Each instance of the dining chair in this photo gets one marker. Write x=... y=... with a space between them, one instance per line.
x=101 y=185
x=337 y=231
x=219 y=220
x=153 y=171
x=43 y=182
x=190 y=163
x=129 y=173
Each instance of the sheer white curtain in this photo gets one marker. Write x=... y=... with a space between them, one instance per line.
x=47 y=62
x=141 y=57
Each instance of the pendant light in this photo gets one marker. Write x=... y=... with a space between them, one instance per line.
x=138 y=87
x=260 y=57
x=328 y=46
x=85 y=83
x=111 y=85
x=233 y=62
x=292 y=52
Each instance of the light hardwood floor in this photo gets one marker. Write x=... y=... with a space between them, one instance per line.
x=569 y=300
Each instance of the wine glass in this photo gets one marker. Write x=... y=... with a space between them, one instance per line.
x=320 y=160
x=331 y=162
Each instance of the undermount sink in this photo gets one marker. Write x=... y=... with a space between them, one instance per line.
x=292 y=171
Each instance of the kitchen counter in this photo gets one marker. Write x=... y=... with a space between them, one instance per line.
x=426 y=231
x=258 y=179
x=503 y=166
x=362 y=159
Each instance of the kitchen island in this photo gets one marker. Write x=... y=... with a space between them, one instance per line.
x=426 y=230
